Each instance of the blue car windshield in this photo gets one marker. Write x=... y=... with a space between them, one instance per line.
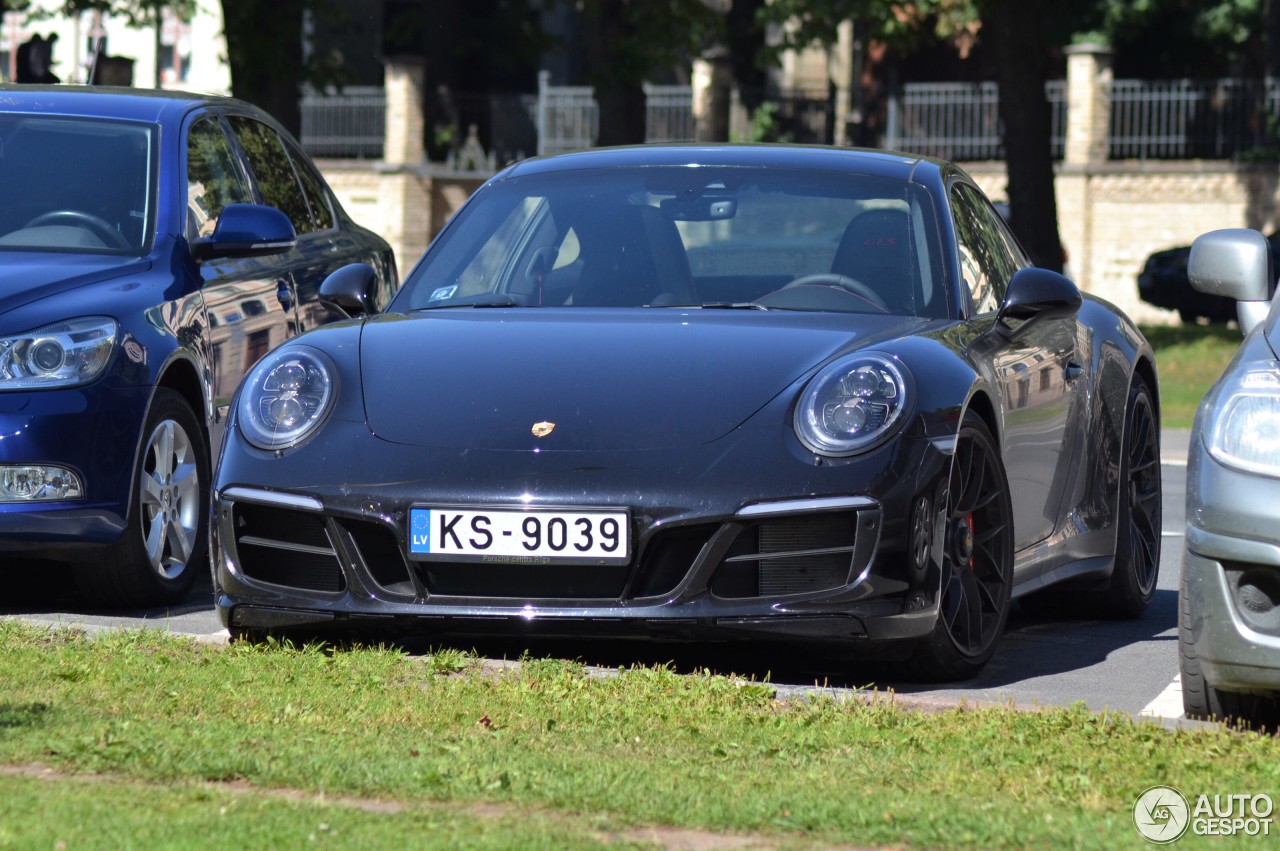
x=79 y=185
x=713 y=237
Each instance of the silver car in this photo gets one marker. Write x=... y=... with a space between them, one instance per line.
x=1229 y=600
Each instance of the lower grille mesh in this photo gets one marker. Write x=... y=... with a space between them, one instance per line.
x=789 y=555
x=285 y=547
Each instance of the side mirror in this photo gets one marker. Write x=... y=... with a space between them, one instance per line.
x=246 y=230
x=1034 y=295
x=350 y=290
x=1235 y=262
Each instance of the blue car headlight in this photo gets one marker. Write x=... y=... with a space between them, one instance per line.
x=64 y=354
x=286 y=397
x=1245 y=433
x=852 y=405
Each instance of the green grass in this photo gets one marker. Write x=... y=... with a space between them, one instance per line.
x=276 y=746
x=1189 y=359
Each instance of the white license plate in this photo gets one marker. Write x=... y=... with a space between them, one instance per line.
x=515 y=535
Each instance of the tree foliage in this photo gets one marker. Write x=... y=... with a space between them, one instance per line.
x=625 y=41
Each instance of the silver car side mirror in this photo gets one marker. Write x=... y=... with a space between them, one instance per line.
x=1235 y=262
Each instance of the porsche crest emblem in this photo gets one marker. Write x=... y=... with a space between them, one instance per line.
x=543 y=428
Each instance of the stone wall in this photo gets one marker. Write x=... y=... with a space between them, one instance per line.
x=1113 y=215
x=406 y=205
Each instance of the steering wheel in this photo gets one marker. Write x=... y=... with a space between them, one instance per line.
x=844 y=282
x=101 y=227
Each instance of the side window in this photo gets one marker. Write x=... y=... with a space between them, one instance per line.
x=313 y=187
x=213 y=180
x=273 y=172
x=985 y=261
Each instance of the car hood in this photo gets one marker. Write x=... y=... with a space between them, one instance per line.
x=27 y=277
x=481 y=378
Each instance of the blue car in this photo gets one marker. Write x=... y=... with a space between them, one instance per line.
x=153 y=246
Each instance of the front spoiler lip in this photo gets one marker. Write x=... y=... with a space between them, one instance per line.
x=865 y=624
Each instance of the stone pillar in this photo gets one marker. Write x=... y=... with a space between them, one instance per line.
x=405 y=82
x=1088 y=104
x=712 y=96
x=840 y=70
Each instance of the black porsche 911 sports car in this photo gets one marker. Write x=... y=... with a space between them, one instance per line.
x=701 y=393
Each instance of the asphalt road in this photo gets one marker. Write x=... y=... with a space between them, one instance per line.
x=1129 y=666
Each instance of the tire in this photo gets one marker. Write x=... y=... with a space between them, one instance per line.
x=164 y=546
x=1202 y=701
x=1137 y=564
x=977 y=562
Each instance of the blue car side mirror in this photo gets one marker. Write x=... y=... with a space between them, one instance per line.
x=246 y=230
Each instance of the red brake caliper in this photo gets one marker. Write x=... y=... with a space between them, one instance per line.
x=968 y=521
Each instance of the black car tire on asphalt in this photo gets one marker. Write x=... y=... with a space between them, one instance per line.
x=977 y=561
x=1137 y=566
x=1204 y=702
x=173 y=504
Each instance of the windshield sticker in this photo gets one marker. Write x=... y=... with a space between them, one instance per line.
x=443 y=293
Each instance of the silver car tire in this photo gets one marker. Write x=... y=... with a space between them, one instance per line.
x=164 y=546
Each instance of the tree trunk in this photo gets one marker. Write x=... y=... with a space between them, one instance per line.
x=1014 y=31
x=1271 y=37
x=264 y=50
x=615 y=69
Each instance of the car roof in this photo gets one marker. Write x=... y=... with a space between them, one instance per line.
x=805 y=157
x=152 y=105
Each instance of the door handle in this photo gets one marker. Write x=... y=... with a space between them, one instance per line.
x=283 y=294
x=1073 y=371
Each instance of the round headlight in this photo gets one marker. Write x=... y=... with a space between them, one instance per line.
x=286 y=397
x=852 y=405
x=1245 y=433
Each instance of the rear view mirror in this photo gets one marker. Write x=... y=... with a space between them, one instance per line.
x=707 y=209
x=246 y=230
x=350 y=290
x=1034 y=295
x=1235 y=262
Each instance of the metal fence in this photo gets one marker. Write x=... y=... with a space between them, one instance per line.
x=349 y=123
x=1192 y=119
x=1210 y=119
x=961 y=121
x=668 y=114
x=569 y=117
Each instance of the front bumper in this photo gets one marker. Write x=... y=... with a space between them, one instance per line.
x=726 y=546
x=92 y=430
x=1231 y=575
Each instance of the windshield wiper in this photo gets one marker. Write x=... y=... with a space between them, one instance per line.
x=719 y=305
x=486 y=300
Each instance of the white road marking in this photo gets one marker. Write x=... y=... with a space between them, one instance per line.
x=1165 y=534
x=1168 y=704
x=1169 y=461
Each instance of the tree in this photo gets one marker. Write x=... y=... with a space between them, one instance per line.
x=1022 y=36
x=625 y=41
x=264 y=45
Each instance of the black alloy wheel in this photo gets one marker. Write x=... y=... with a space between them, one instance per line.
x=977 y=561
x=1137 y=567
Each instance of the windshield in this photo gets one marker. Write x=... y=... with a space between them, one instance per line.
x=75 y=184
x=708 y=236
